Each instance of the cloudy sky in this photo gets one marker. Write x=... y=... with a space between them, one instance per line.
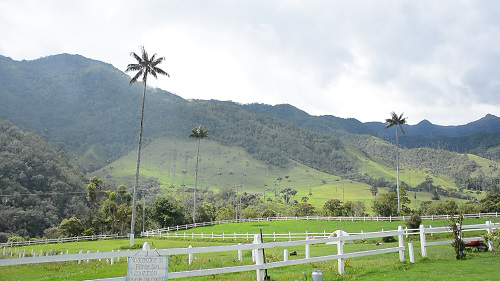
x=434 y=60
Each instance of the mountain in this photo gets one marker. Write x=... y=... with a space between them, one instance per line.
x=90 y=107
x=488 y=124
x=28 y=165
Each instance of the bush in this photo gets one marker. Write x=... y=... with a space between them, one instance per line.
x=3 y=237
x=414 y=221
x=15 y=239
x=88 y=232
x=389 y=239
x=51 y=233
x=268 y=213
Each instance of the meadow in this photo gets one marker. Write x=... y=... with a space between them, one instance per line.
x=172 y=162
x=440 y=265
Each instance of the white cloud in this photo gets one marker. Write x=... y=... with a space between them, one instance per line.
x=435 y=60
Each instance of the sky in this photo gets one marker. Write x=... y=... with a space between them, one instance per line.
x=433 y=60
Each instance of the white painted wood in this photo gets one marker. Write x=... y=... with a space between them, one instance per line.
x=423 y=243
x=411 y=253
x=340 y=252
x=190 y=256
x=259 y=258
x=240 y=254
x=285 y=254
x=401 y=244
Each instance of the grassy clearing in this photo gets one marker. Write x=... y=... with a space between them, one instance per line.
x=222 y=166
x=440 y=265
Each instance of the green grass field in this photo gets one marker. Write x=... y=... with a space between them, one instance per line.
x=173 y=162
x=440 y=265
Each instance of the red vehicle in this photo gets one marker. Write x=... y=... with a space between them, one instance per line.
x=478 y=245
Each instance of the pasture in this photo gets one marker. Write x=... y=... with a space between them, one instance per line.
x=440 y=265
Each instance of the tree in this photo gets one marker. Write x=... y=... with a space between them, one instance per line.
x=397 y=121
x=333 y=207
x=93 y=197
x=304 y=209
x=386 y=204
x=145 y=65
x=225 y=213
x=198 y=133
x=71 y=227
x=109 y=209
x=167 y=212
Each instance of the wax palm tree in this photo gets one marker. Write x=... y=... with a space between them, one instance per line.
x=198 y=133
x=397 y=121
x=145 y=65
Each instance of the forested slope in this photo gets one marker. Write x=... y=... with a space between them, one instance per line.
x=30 y=166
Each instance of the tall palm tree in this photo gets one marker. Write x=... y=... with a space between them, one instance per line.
x=197 y=133
x=145 y=65
x=397 y=121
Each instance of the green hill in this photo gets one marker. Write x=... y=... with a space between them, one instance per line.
x=90 y=107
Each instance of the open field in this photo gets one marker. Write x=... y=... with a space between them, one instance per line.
x=440 y=265
x=173 y=162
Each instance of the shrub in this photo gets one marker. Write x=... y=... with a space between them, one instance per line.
x=15 y=239
x=3 y=237
x=88 y=232
x=388 y=239
x=414 y=221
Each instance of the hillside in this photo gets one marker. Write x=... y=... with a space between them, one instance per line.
x=30 y=166
x=172 y=162
x=89 y=107
x=481 y=137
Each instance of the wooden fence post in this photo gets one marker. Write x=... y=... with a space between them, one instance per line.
x=423 y=245
x=259 y=258
x=112 y=259
x=411 y=253
x=340 y=251
x=285 y=255
x=401 y=244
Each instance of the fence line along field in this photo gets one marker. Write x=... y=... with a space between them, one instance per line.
x=356 y=268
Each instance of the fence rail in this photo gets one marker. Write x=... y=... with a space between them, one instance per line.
x=62 y=240
x=318 y=218
x=160 y=231
x=257 y=248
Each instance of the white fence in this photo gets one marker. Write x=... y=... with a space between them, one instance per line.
x=318 y=218
x=488 y=226
x=257 y=249
x=62 y=240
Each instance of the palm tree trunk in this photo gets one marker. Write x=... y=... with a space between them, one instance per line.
x=397 y=170
x=195 y=183
x=138 y=164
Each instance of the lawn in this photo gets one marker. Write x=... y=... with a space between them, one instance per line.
x=439 y=266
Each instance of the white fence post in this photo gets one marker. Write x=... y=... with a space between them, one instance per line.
x=423 y=243
x=240 y=254
x=490 y=233
x=285 y=255
x=259 y=258
x=401 y=244
x=411 y=253
x=430 y=227
x=112 y=259
x=308 y=250
x=190 y=260
x=340 y=251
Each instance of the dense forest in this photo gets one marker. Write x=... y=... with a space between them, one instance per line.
x=30 y=166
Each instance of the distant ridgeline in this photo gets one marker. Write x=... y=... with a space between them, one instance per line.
x=90 y=107
x=30 y=166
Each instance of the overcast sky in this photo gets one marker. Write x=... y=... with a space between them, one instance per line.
x=434 y=60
